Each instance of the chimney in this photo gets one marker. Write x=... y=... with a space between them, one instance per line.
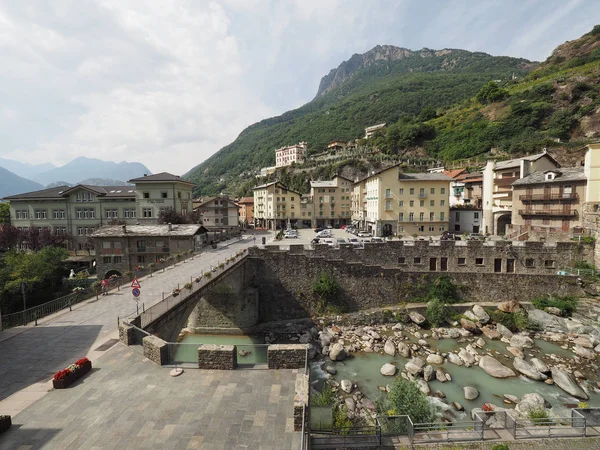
x=124 y=227
x=170 y=227
x=145 y=174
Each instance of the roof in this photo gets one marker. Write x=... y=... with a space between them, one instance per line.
x=423 y=177
x=210 y=199
x=62 y=191
x=262 y=186
x=376 y=173
x=322 y=184
x=182 y=230
x=245 y=200
x=375 y=127
x=160 y=178
x=453 y=173
x=517 y=161
x=565 y=174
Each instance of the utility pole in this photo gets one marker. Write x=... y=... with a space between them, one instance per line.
x=24 y=292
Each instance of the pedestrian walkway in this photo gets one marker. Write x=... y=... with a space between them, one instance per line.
x=30 y=355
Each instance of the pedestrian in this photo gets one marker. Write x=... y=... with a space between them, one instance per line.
x=104 y=285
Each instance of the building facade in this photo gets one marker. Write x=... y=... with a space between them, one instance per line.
x=218 y=212
x=332 y=202
x=370 y=131
x=285 y=156
x=123 y=248
x=276 y=206
x=246 y=211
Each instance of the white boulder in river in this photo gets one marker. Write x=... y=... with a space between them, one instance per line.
x=346 y=386
x=564 y=381
x=416 y=317
x=389 y=348
x=403 y=350
x=389 y=370
x=481 y=314
x=495 y=368
x=530 y=402
x=521 y=341
x=433 y=358
x=337 y=352
x=528 y=369
x=470 y=393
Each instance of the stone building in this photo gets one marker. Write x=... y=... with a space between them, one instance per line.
x=123 y=248
x=497 y=191
x=394 y=202
x=285 y=156
x=331 y=202
x=276 y=206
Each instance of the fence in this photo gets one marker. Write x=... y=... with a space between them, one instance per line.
x=186 y=354
x=574 y=426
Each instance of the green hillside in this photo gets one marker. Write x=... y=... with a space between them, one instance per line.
x=382 y=91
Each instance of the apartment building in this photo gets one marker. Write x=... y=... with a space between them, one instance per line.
x=497 y=190
x=246 y=211
x=122 y=248
x=218 y=212
x=405 y=203
x=358 y=206
x=335 y=146
x=466 y=192
x=276 y=206
x=285 y=156
x=331 y=201
x=155 y=193
x=370 y=131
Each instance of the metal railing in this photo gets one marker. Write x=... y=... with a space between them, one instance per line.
x=548 y=197
x=37 y=312
x=574 y=426
x=564 y=212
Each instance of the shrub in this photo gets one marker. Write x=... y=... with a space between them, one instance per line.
x=187 y=285
x=500 y=447
x=566 y=304
x=436 y=312
x=327 y=291
x=443 y=289
x=591 y=240
x=325 y=397
x=207 y=275
x=406 y=398
x=517 y=321
x=340 y=418
x=538 y=416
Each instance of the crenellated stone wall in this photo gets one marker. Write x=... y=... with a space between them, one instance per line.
x=217 y=357
x=287 y=356
x=156 y=350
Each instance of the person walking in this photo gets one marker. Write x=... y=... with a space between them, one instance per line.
x=104 y=285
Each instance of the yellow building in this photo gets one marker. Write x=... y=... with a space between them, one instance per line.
x=331 y=202
x=159 y=192
x=399 y=203
x=276 y=206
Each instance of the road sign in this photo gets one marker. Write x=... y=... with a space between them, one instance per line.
x=136 y=292
x=135 y=283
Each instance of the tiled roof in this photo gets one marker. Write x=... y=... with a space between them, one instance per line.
x=62 y=191
x=454 y=173
x=517 y=161
x=147 y=230
x=50 y=193
x=159 y=177
x=423 y=177
x=246 y=200
x=563 y=175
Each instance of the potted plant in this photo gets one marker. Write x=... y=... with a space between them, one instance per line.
x=78 y=289
x=5 y=423
x=197 y=279
x=187 y=286
x=176 y=292
x=64 y=378
x=208 y=275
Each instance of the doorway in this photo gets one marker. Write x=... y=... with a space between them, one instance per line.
x=498 y=265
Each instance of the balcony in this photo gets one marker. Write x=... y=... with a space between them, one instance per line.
x=422 y=195
x=567 y=197
x=565 y=212
x=149 y=250
x=507 y=181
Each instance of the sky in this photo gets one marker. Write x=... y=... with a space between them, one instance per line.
x=169 y=82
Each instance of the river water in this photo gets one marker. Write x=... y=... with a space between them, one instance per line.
x=186 y=351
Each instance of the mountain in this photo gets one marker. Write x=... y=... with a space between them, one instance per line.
x=84 y=168
x=103 y=182
x=11 y=184
x=382 y=85
x=25 y=170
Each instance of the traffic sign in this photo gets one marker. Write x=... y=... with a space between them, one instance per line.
x=136 y=292
x=135 y=283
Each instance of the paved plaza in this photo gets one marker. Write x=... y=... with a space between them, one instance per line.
x=128 y=402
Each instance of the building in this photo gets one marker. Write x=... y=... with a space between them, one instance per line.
x=246 y=211
x=370 y=131
x=285 y=156
x=335 y=146
x=332 y=202
x=276 y=206
x=123 y=248
x=497 y=191
x=74 y=211
x=466 y=191
x=398 y=203
x=358 y=207
x=549 y=201
x=266 y=171
x=218 y=212
x=307 y=210
x=161 y=191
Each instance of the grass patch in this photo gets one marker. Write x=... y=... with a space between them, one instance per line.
x=324 y=398
x=566 y=304
x=517 y=321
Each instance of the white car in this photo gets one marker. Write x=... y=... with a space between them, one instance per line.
x=330 y=242
x=291 y=234
x=324 y=234
x=364 y=234
x=377 y=240
x=355 y=242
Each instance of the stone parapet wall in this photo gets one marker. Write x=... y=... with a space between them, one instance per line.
x=126 y=334
x=156 y=350
x=217 y=357
x=301 y=401
x=287 y=356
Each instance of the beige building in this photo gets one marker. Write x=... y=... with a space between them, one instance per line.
x=332 y=202
x=123 y=248
x=276 y=206
x=161 y=191
x=246 y=211
x=370 y=131
x=497 y=190
x=218 y=212
x=405 y=203
x=285 y=156
x=358 y=206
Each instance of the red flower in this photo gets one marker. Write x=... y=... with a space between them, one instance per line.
x=82 y=361
x=61 y=374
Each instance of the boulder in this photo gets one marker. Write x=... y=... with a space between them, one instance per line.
x=423 y=386
x=490 y=333
x=324 y=338
x=305 y=338
x=495 y=368
x=350 y=403
x=584 y=352
x=470 y=393
x=368 y=403
x=312 y=351
x=416 y=317
x=521 y=341
x=468 y=325
x=583 y=341
x=471 y=316
x=510 y=306
x=428 y=373
x=540 y=365
x=403 y=349
x=458 y=406
x=515 y=351
x=440 y=375
x=455 y=359
x=389 y=370
x=467 y=357
x=480 y=343
x=564 y=381
x=530 y=401
x=414 y=366
x=374 y=335
x=337 y=352
x=597 y=348
x=330 y=370
x=547 y=321
x=432 y=358
x=505 y=332
x=528 y=369
x=481 y=314
x=554 y=311
x=389 y=348
x=453 y=333
x=439 y=394
x=346 y=386
x=511 y=398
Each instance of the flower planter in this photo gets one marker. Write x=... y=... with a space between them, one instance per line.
x=74 y=376
x=5 y=423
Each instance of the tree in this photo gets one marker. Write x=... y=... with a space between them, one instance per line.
x=491 y=93
x=4 y=213
x=435 y=313
x=169 y=215
x=38 y=238
x=405 y=398
x=9 y=236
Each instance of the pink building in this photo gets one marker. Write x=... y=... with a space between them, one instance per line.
x=285 y=156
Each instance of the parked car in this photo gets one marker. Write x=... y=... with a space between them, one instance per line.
x=319 y=229
x=450 y=237
x=329 y=227
x=324 y=234
x=475 y=237
x=291 y=234
x=355 y=242
x=330 y=242
x=377 y=240
x=340 y=241
x=364 y=234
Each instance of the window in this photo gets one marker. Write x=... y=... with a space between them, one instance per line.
x=549 y=263
x=442 y=202
x=442 y=191
x=146 y=212
x=292 y=199
x=411 y=217
x=432 y=191
x=79 y=213
x=401 y=191
x=417 y=260
x=141 y=258
x=401 y=217
x=84 y=196
x=422 y=203
x=412 y=191
x=442 y=216
x=401 y=260
x=106 y=259
x=401 y=203
x=79 y=231
x=442 y=228
x=178 y=194
x=431 y=218
x=479 y=261
x=412 y=203
x=462 y=261
x=422 y=192
x=431 y=228
x=421 y=216
x=117 y=259
x=163 y=195
x=388 y=193
x=388 y=205
x=117 y=244
x=422 y=228
x=457 y=216
x=146 y=194
x=431 y=202
x=530 y=262
x=457 y=227
x=309 y=214
x=476 y=215
x=106 y=244
x=401 y=229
